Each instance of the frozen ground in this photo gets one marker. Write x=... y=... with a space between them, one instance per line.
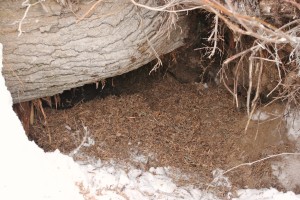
x=28 y=173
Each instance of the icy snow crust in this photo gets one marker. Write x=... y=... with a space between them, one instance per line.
x=110 y=180
x=27 y=172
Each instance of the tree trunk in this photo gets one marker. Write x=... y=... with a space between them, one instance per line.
x=57 y=51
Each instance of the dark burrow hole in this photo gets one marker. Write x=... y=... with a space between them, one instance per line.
x=187 y=64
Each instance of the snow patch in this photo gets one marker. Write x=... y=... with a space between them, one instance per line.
x=287 y=172
x=287 y=169
x=293 y=124
x=219 y=179
x=259 y=116
x=135 y=184
x=265 y=194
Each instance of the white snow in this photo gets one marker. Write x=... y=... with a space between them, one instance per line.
x=26 y=172
x=219 y=179
x=293 y=124
x=287 y=171
x=260 y=115
x=265 y=194
x=135 y=184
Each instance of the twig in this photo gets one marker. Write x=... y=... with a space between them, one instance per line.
x=260 y=160
x=215 y=34
x=293 y=3
x=93 y=7
x=25 y=3
x=159 y=62
x=251 y=163
x=250 y=85
x=166 y=7
x=86 y=133
x=228 y=60
x=28 y=6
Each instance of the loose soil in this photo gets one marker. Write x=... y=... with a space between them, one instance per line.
x=170 y=123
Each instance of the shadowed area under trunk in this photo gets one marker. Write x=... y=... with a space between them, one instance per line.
x=57 y=51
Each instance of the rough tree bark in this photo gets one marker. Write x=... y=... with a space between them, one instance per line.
x=57 y=52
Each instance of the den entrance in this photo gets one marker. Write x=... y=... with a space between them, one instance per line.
x=181 y=115
x=172 y=117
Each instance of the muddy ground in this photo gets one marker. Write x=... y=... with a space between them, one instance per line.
x=169 y=123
